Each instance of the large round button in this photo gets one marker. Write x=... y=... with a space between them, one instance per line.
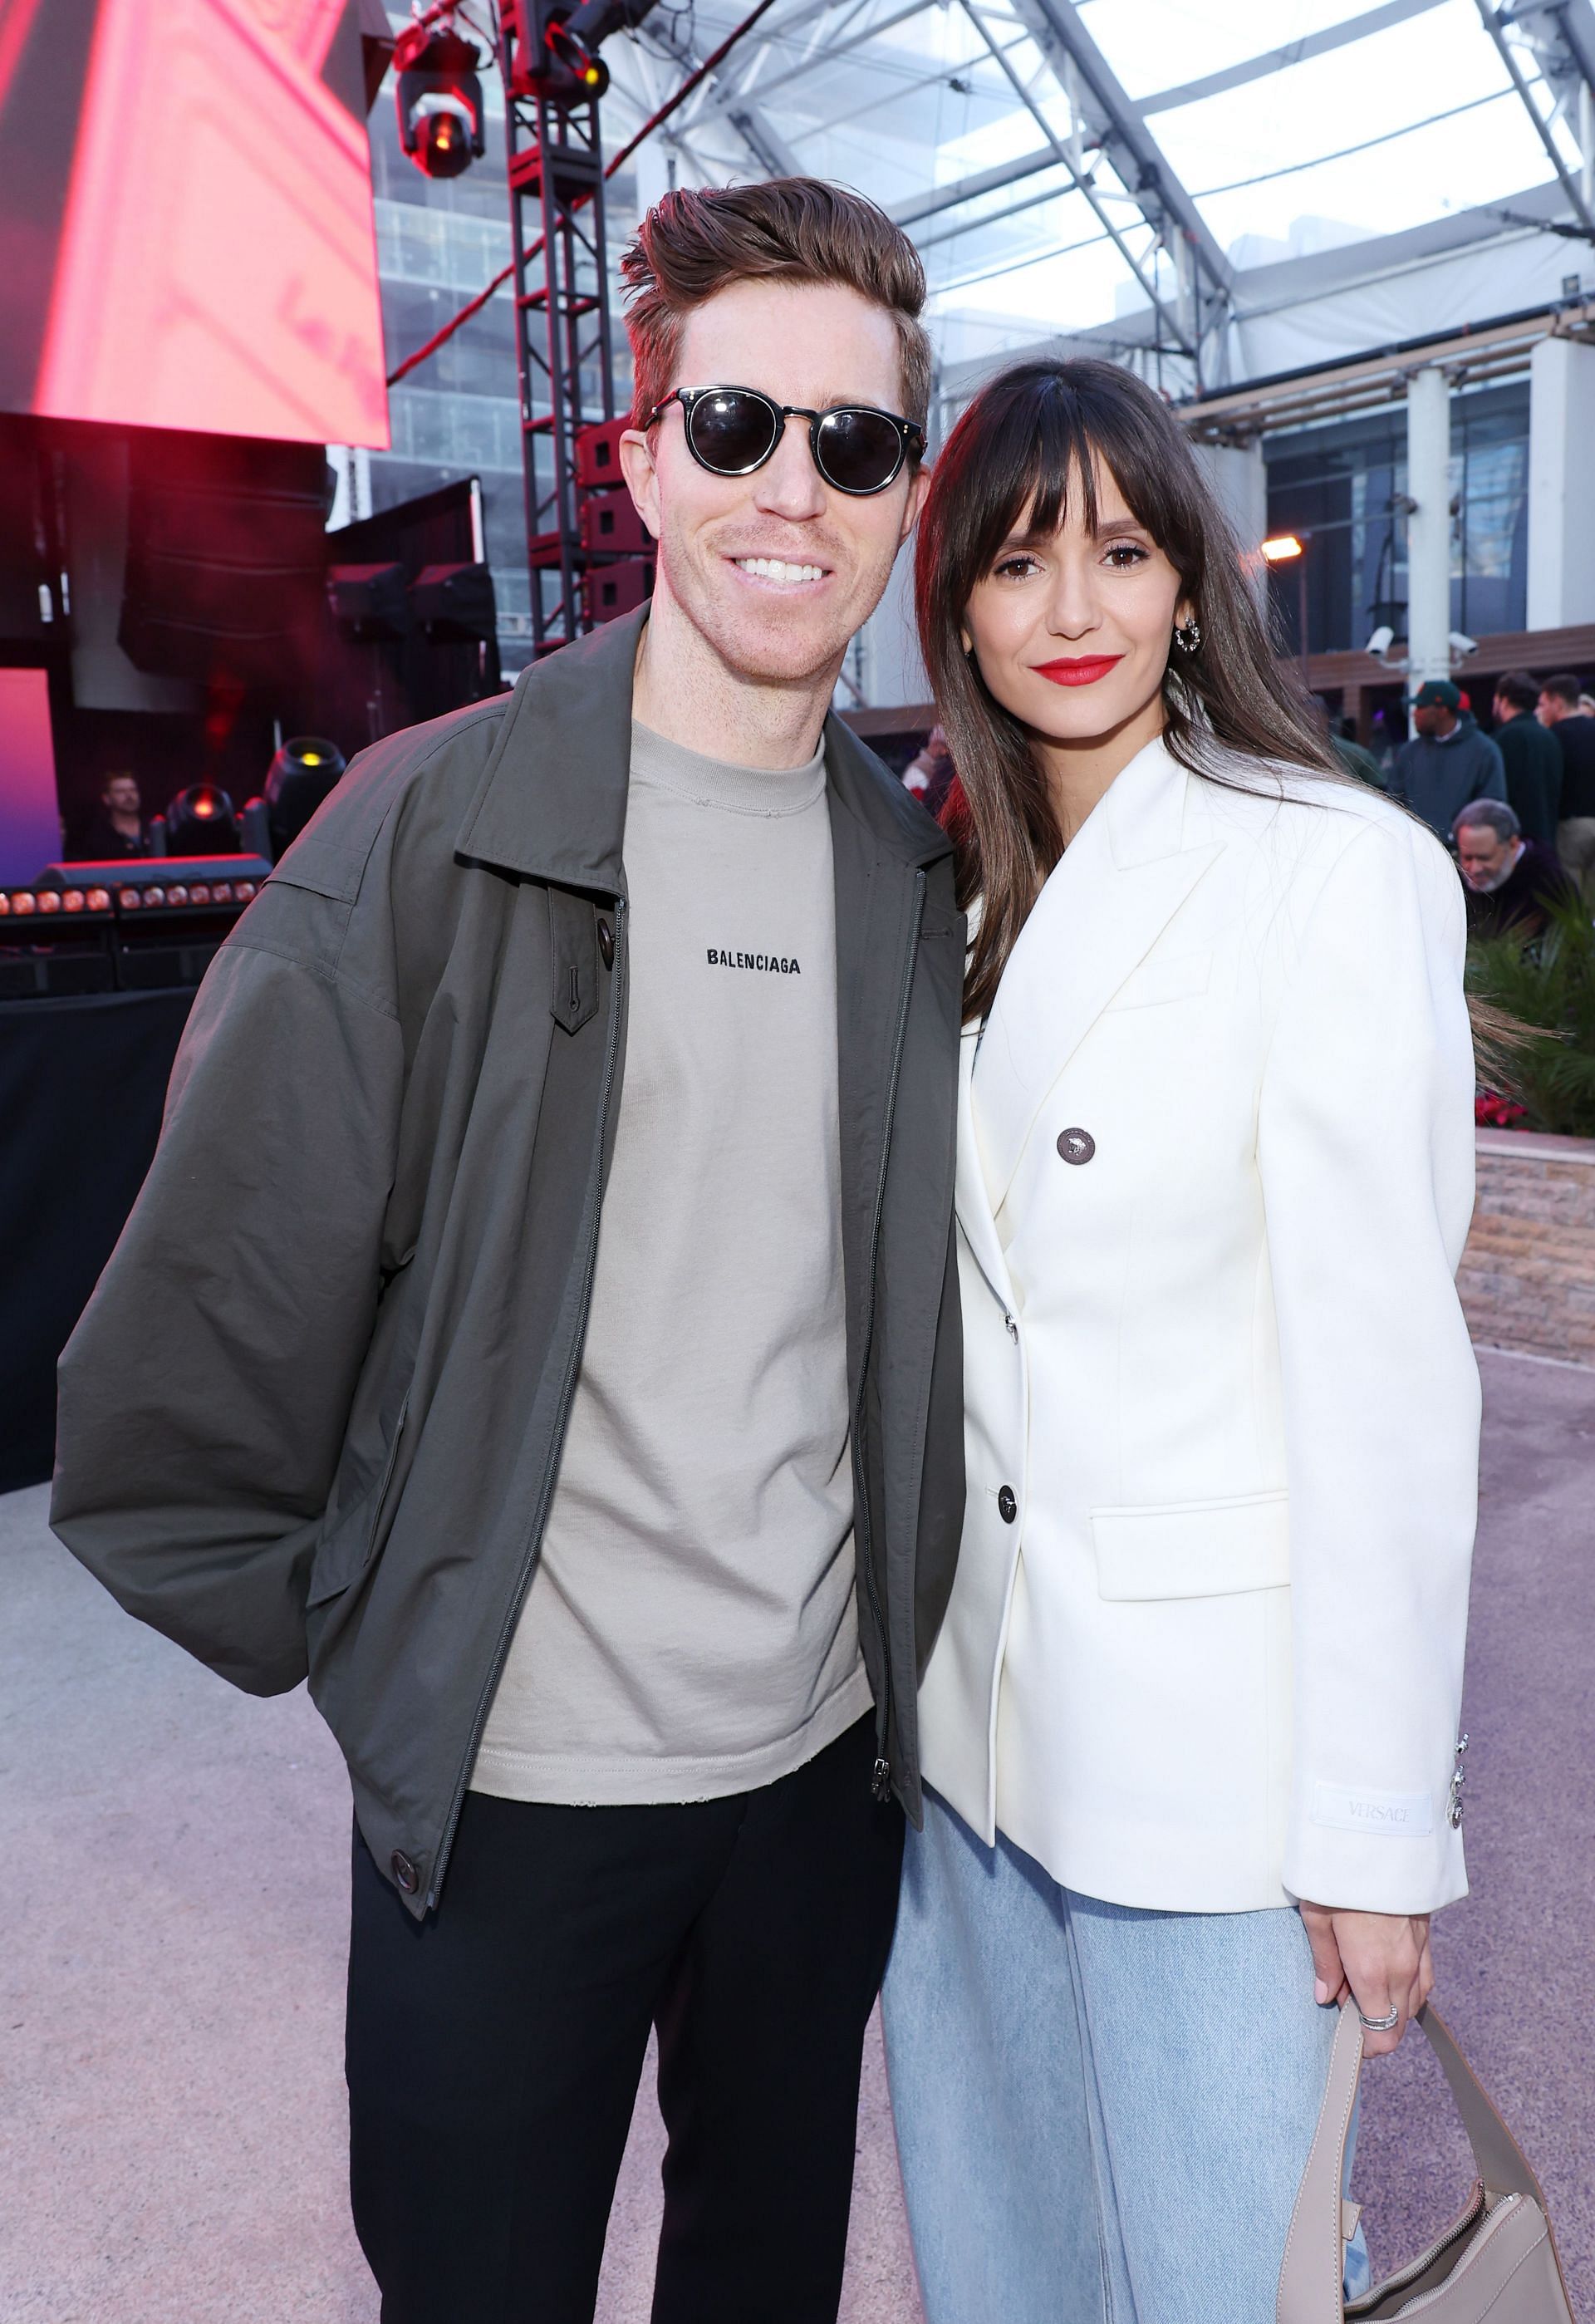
x=1076 y=1145
x=606 y=943
x=1007 y=1509
x=404 y=1872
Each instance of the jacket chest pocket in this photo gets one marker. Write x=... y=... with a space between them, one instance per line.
x=1166 y=976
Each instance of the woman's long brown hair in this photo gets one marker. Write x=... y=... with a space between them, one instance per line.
x=1010 y=462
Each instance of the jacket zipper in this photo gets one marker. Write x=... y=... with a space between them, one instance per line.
x=880 y=1777
x=567 y=1392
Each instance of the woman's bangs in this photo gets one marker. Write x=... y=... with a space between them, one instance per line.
x=1046 y=437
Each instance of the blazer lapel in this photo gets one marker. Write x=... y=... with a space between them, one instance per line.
x=1123 y=877
x=975 y=1221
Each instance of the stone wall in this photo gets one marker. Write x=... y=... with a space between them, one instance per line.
x=1527 y=1276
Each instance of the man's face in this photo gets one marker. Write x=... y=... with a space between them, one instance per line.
x=1433 y=718
x=1551 y=708
x=1486 y=857
x=121 y=795
x=812 y=343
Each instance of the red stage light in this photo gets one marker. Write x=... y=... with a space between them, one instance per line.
x=151 y=895
x=5 y=905
x=23 y=901
x=244 y=891
x=199 y=894
x=50 y=901
x=222 y=893
x=129 y=898
x=99 y=899
x=73 y=900
x=176 y=895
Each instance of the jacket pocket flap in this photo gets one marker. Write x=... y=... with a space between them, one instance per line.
x=323 y=867
x=1192 y=1549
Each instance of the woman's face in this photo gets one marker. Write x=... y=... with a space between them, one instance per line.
x=1071 y=632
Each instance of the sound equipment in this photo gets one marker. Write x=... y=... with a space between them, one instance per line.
x=135 y=925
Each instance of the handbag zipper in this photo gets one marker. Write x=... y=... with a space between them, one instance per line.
x=1509 y=2207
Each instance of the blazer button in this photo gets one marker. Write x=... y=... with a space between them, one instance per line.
x=1013 y=1329
x=404 y=1872
x=1007 y=1509
x=606 y=943
x=1076 y=1145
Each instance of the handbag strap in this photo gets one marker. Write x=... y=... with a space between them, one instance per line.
x=1310 y=2281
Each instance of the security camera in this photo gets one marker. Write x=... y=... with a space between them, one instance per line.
x=1379 y=644
x=1461 y=645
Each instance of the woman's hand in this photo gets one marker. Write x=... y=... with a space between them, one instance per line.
x=1381 y=1960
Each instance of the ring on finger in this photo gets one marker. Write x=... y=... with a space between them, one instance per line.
x=1382 y=2025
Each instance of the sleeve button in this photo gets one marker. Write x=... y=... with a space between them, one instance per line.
x=1007 y=1509
x=1076 y=1145
x=404 y=1872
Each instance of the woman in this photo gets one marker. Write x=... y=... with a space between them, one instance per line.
x=1189 y=1726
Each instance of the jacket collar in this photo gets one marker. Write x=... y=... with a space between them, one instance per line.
x=551 y=804
x=1124 y=875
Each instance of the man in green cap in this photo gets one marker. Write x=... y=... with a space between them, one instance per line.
x=1448 y=763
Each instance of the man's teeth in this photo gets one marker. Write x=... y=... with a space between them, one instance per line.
x=775 y=568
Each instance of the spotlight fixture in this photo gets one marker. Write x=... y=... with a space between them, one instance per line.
x=439 y=100
x=303 y=773
x=200 y=821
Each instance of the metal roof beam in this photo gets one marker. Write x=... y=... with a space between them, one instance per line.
x=1559 y=38
x=1294 y=52
x=984 y=181
x=1102 y=107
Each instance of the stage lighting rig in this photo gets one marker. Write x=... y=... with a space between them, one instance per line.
x=554 y=47
x=439 y=96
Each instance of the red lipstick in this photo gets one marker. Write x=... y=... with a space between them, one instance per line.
x=1084 y=669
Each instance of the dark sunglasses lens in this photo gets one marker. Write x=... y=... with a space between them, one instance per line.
x=731 y=431
x=857 y=451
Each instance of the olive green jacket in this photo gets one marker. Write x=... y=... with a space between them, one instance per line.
x=312 y=1418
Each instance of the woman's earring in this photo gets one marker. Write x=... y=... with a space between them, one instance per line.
x=1187 y=635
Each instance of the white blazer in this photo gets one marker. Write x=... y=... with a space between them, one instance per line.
x=1205 y=1648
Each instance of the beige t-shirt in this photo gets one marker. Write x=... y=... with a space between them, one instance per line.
x=690 y=1630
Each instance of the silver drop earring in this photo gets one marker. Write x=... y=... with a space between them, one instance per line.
x=1187 y=635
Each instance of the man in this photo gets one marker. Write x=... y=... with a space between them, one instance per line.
x=928 y=775
x=118 y=826
x=1529 y=754
x=540 y=1322
x=1574 y=731
x=1448 y=762
x=1513 y=881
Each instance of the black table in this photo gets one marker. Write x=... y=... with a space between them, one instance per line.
x=82 y=1083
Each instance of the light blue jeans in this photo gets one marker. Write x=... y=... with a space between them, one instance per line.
x=1103 y=2113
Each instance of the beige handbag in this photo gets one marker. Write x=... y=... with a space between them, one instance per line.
x=1497 y=2260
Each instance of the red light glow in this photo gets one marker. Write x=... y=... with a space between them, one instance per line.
x=99 y=899
x=215 y=266
x=23 y=903
x=50 y=901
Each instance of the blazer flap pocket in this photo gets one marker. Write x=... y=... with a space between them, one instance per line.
x=1192 y=1549
x=1166 y=976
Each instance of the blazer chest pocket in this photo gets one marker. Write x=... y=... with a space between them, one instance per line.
x=1192 y=1549
x=1166 y=976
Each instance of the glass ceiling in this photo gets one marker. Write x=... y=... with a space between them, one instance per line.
x=969 y=120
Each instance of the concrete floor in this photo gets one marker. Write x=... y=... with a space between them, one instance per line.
x=171 y=2116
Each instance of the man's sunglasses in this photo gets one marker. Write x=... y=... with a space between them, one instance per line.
x=734 y=430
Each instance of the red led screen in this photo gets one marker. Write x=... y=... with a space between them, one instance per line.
x=185 y=201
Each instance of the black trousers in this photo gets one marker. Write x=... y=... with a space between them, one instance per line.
x=494 y=2048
